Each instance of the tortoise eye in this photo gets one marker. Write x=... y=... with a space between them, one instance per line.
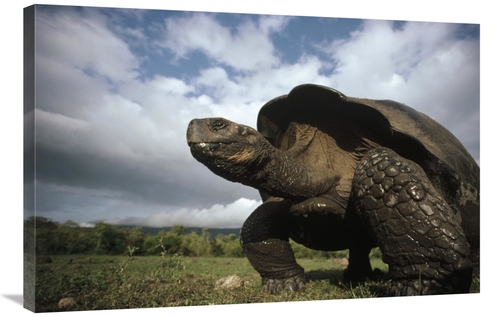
x=218 y=125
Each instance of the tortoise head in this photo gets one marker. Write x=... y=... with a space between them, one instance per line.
x=228 y=149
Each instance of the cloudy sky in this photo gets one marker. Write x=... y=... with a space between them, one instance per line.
x=116 y=88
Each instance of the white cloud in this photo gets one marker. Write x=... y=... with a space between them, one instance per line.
x=218 y=216
x=86 y=225
x=85 y=42
x=248 y=48
x=66 y=135
x=369 y=60
x=63 y=88
x=239 y=98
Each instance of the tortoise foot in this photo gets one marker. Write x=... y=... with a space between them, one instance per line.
x=422 y=287
x=405 y=288
x=278 y=285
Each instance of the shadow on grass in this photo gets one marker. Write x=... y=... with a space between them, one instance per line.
x=335 y=277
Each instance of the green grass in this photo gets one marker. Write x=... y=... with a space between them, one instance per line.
x=117 y=282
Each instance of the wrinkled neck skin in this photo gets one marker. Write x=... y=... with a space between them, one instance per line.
x=279 y=174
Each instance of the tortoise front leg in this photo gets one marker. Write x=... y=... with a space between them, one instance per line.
x=265 y=241
x=419 y=235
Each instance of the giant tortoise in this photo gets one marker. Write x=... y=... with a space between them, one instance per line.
x=337 y=173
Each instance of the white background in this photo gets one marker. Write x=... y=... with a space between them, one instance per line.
x=482 y=12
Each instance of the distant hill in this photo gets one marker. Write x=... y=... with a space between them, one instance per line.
x=213 y=231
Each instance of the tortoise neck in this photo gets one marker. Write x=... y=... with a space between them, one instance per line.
x=281 y=175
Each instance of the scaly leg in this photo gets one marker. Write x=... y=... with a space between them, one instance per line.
x=265 y=241
x=420 y=237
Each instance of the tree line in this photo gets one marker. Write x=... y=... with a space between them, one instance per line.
x=45 y=237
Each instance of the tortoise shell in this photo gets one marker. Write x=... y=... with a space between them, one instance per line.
x=411 y=134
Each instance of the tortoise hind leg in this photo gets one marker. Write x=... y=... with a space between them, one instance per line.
x=359 y=268
x=420 y=237
x=265 y=241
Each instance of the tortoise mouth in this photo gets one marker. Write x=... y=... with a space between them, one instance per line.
x=202 y=150
x=210 y=146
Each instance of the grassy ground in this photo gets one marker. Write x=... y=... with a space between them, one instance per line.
x=105 y=282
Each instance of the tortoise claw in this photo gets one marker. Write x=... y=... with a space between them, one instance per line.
x=278 y=285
